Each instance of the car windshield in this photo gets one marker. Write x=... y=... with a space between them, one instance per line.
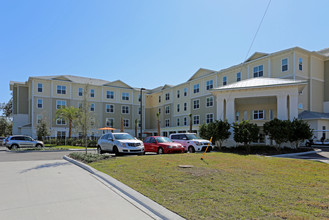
x=123 y=137
x=191 y=136
x=163 y=140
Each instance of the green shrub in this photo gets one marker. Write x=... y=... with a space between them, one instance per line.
x=88 y=158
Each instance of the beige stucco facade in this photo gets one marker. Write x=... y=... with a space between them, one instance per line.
x=206 y=95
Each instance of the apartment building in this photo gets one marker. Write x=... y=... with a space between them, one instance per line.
x=286 y=84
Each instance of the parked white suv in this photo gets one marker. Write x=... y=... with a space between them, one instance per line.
x=191 y=142
x=20 y=141
x=119 y=143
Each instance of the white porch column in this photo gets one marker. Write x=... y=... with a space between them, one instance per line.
x=220 y=107
x=282 y=107
x=293 y=107
x=230 y=110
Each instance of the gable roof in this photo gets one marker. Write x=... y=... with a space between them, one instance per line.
x=255 y=56
x=260 y=82
x=200 y=73
x=75 y=79
x=166 y=86
x=118 y=83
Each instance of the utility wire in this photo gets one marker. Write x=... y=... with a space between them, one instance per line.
x=252 y=42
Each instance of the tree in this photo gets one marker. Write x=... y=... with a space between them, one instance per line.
x=42 y=130
x=5 y=126
x=158 y=122
x=278 y=130
x=299 y=131
x=7 y=109
x=245 y=132
x=218 y=130
x=68 y=114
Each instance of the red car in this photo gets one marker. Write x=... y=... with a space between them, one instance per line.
x=162 y=145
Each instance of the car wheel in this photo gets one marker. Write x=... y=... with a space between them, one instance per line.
x=38 y=146
x=99 y=150
x=14 y=147
x=191 y=149
x=116 y=151
x=160 y=150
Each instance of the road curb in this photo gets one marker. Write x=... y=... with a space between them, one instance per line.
x=142 y=202
x=296 y=154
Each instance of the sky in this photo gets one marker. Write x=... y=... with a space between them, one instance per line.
x=148 y=43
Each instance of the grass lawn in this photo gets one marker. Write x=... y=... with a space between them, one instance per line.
x=227 y=186
x=66 y=147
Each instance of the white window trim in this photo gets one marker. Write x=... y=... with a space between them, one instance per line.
x=301 y=70
x=224 y=77
x=167 y=120
x=41 y=104
x=253 y=72
x=126 y=119
x=61 y=123
x=212 y=84
x=38 y=118
x=253 y=115
x=94 y=107
x=125 y=94
x=185 y=120
x=196 y=85
x=61 y=104
x=166 y=109
x=122 y=109
x=107 y=119
x=41 y=87
x=212 y=117
x=213 y=99
x=194 y=117
x=109 y=92
x=110 y=108
x=287 y=65
x=193 y=104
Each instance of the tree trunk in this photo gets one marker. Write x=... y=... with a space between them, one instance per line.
x=70 y=128
x=159 y=128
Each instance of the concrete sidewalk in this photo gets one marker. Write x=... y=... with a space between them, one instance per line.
x=57 y=189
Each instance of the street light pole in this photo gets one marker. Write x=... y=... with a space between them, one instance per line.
x=141 y=116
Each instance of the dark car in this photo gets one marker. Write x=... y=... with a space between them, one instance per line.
x=162 y=145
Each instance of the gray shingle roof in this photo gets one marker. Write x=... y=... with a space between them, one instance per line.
x=260 y=82
x=313 y=115
x=75 y=79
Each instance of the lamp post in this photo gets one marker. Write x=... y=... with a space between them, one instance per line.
x=141 y=115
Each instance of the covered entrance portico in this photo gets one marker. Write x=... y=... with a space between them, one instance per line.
x=258 y=100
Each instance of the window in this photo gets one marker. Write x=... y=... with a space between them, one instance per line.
x=167 y=123
x=109 y=108
x=109 y=122
x=185 y=91
x=92 y=107
x=284 y=64
x=61 y=90
x=237 y=116
x=300 y=105
x=39 y=87
x=209 y=118
x=125 y=109
x=80 y=105
x=196 y=104
x=125 y=96
x=139 y=110
x=224 y=80
x=159 y=110
x=185 y=106
x=178 y=94
x=167 y=96
x=126 y=123
x=177 y=121
x=258 y=114
x=80 y=91
x=40 y=103
x=60 y=104
x=178 y=107
x=159 y=98
x=238 y=76
x=258 y=71
x=60 y=121
x=92 y=93
x=61 y=134
x=245 y=115
x=109 y=94
x=196 y=88
x=210 y=84
x=39 y=119
x=185 y=121
x=139 y=97
x=196 y=119
x=210 y=101
x=300 y=64
x=167 y=109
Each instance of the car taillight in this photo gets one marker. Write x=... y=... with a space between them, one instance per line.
x=7 y=141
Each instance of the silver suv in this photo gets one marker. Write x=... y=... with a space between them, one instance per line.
x=19 y=141
x=119 y=143
x=191 y=142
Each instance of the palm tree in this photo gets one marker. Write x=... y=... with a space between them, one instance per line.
x=158 y=119
x=190 y=115
x=68 y=114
